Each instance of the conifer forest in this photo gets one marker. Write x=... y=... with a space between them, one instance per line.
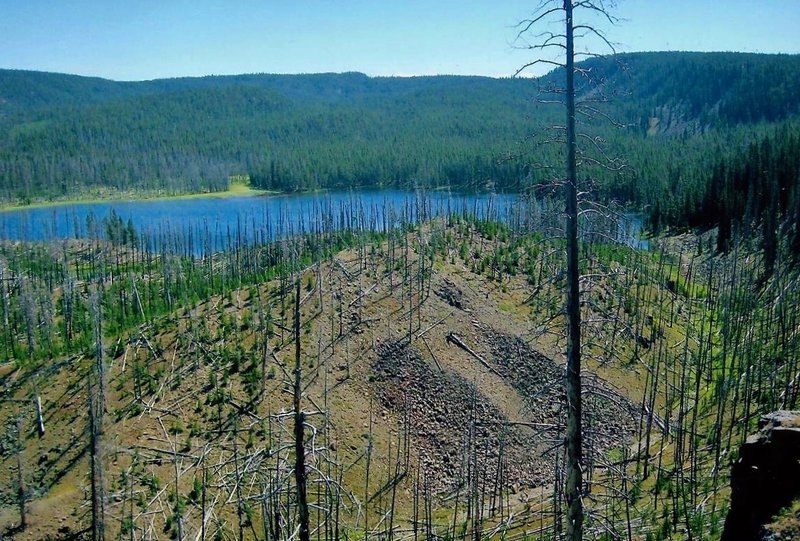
x=572 y=310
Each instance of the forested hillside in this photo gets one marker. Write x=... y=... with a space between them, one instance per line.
x=700 y=90
x=63 y=136
x=387 y=372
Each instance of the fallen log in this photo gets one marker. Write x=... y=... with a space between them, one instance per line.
x=453 y=338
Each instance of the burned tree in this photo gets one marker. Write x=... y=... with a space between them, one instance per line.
x=562 y=12
x=299 y=421
x=96 y=411
x=21 y=488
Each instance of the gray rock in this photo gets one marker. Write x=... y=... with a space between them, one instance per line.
x=766 y=477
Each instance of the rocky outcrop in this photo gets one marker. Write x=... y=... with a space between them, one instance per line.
x=448 y=416
x=441 y=408
x=451 y=294
x=766 y=477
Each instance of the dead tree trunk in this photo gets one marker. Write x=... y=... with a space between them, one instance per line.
x=299 y=420
x=574 y=525
x=39 y=417
x=96 y=411
x=564 y=46
x=21 y=489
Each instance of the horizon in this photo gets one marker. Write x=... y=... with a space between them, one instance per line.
x=149 y=41
x=369 y=76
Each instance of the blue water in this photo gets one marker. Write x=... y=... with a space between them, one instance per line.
x=631 y=226
x=213 y=223
x=205 y=225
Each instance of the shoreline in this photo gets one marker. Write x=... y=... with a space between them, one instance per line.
x=235 y=190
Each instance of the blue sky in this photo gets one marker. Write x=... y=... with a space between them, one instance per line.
x=146 y=39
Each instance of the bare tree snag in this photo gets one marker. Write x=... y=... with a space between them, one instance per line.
x=39 y=417
x=299 y=420
x=564 y=44
x=21 y=489
x=96 y=411
x=573 y=494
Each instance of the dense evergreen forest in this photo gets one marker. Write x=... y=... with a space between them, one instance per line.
x=393 y=373
x=681 y=114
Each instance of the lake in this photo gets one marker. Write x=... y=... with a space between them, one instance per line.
x=210 y=224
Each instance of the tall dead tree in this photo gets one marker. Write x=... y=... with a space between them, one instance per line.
x=563 y=12
x=21 y=489
x=97 y=406
x=299 y=421
x=573 y=380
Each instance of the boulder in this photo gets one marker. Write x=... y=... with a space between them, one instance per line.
x=766 y=476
